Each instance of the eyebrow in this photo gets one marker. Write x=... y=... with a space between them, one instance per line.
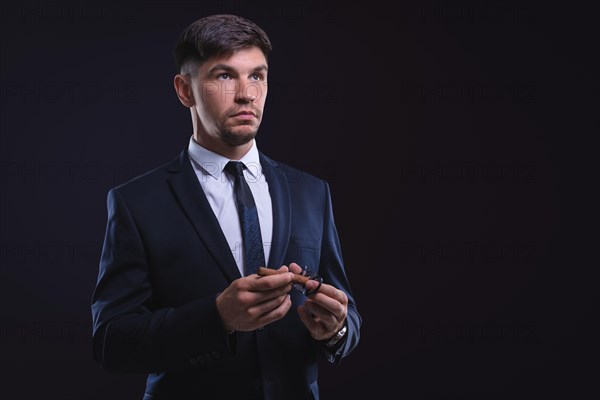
x=228 y=68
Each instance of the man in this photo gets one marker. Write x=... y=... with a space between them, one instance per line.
x=178 y=296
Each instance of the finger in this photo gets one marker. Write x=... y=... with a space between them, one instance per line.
x=276 y=313
x=329 y=305
x=317 y=310
x=317 y=330
x=306 y=319
x=323 y=315
x=261 y=283
x=258 y=310
x=257 y=297
x=332 y=305
x=295 y=268
x=328 y=291
x=243 y=291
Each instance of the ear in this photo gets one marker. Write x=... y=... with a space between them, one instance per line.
x=183 y=88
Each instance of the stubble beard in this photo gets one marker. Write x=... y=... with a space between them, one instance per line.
x=235 y=139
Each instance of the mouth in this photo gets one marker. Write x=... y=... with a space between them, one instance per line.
x=244 y=114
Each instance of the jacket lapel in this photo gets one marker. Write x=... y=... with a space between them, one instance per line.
x=280 y=198
x=193 y=201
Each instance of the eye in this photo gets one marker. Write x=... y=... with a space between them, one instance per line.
x=256 y=77
x=224 y=76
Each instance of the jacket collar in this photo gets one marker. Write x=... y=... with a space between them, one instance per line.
x=193 y=201
x=282 y=215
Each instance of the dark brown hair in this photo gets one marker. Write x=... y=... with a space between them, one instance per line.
x=218 y=35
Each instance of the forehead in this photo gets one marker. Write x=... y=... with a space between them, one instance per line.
x=246 y=58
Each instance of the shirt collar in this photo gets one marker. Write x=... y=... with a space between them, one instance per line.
x=213 y=164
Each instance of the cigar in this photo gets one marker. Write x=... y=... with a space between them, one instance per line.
x=262 y=271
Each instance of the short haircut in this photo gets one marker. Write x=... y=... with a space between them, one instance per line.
x=217 y=35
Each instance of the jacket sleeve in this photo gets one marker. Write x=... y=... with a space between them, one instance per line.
x=129 y=335
x=332 y=271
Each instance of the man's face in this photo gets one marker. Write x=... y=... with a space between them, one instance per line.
x=230 y=95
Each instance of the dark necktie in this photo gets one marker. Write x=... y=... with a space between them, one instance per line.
x=253 y=245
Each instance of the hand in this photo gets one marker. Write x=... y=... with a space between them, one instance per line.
x=251 y=302
x=324 y=312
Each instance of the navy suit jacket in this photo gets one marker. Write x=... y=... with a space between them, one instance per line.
x=164 y=261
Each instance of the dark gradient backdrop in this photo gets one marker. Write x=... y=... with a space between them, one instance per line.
x=454 y=136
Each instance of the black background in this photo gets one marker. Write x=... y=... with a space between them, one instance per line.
x=456 y=140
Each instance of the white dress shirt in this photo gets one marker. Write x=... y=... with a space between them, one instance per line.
x=218 y=187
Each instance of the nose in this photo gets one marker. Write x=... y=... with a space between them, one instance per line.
x=246 y=93
x=244 y=97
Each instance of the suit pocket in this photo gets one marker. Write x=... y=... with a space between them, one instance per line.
x=304 y=251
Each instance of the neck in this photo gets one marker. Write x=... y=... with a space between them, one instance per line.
x=227 y=151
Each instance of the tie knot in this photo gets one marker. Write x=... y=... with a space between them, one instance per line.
x=235 y=168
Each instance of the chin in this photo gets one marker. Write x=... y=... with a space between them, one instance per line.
x=239 y=137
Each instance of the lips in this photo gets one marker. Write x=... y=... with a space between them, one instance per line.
x=247 y=113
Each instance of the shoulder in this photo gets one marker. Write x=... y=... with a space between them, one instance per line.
x=151 y=180
x=294 y=175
